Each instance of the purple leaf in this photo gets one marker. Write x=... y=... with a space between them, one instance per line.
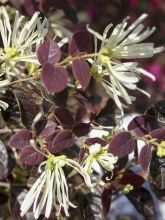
x=64 y=116
x=142 y=125
x=82 y=129
x=39 y=126
x=84 y=102
x=133 y=179
x=80 y=114
x=49 y=140
x=15 y=201
x=48 y=52
x=159 y=134
x=27 y=106
x=30 y=157
x=81 y=42
x=20 y=139
x=122 y=144
x=28 y=7
x=106 y=116
x=55 y=79
x=145 y=156
x=62 y=140
x=49 y=129
x=91 y=141
x=106 y=201
x=81 y=71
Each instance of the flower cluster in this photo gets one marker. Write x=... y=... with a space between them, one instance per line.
x=59 y=116
x=21 y=39
x=116 y=75
x=52 y=187
x=99 y=154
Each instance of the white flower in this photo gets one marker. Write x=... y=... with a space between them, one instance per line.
x=123 y=43
x=101 y=156
x=58 y=22
x=19 y=39
x=3 y=104
x=51 y=188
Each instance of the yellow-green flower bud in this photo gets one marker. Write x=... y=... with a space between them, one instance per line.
x=161 y=149
x=127 y=188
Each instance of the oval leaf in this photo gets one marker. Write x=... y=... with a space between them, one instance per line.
x=48 y=52
x=30 y=157
x=106 y=201
x=82 y=129
x=49 y=140
x=27 y=107
x=20 y=139
x=64 y=116
x=143 y=124
x=84 y=102
x=81 y=42
x=91 y=141
x=49 y=129
x=62 y=140
x=39 y=126
x=55 y=79
x=133 y=179
x=159 y=134
x=122 y=144
x=81 y=71
x=145 y=156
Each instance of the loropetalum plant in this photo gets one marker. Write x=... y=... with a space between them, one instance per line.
x=48 y=111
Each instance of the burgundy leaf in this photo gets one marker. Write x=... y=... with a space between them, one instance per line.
x=91 y=141
x=28 y=108
x=49 y=140
x=82 y=129
x=28 y=7
x=84 y=102
x=30 y=157
x=20 y=139
x=144 y=203
x=48 y=52
x=39 y=126
x=62 y=140
x=122 y=144
x=55 y=79
x=106 y=201
x=159 y=134
x=60 y=98
x=81 y=42
x=15 y=201
x=121 y=163
x=132 y=178
x=143 y=124
x=106 y=116
x=80 y=114
x=81 y=71
x=49 y=129
x=64 y=116
x=145 y=156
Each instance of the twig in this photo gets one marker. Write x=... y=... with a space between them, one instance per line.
x=20 y=80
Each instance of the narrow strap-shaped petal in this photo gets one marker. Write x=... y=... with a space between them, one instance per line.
x=50 y=197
